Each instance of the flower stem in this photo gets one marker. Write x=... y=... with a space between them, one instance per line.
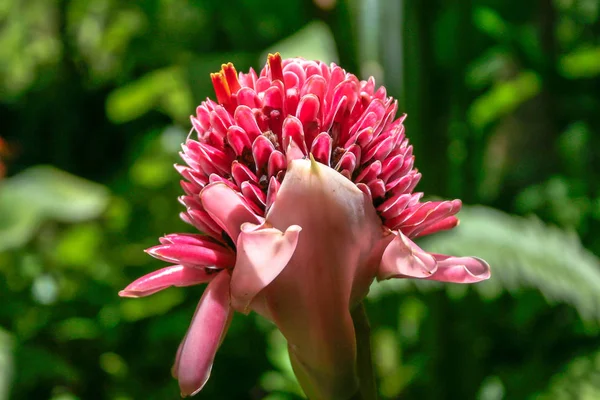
x=367 y=389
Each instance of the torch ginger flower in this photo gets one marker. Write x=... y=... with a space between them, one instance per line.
x=301 y=182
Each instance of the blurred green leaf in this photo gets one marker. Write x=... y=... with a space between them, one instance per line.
x=57 y=194
x=164 y=88
x=581 y=63
x=490 y=67
x=491 y=23
x=79 y=246
x=113 y=364
x=580 y=380
x=504 y=98
x=18 y=221
x=44 y=192
x=75 y=329
x=6 y=363
x=35 y=362
x=157 y=304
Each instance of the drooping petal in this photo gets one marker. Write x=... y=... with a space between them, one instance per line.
x=460 y=269
x=204 y=336
x=262 y=253
x=310 y=300
x=402 y=258
x=227 y=208
x=175 y=275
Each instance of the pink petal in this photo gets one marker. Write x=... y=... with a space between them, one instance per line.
x=244 y=117
x=262 y=253
x=194 y=255
x=241 y=173
x=227 y=208
x=460 y=269
x=204 y=336
x=293 y=131
x=261 y=150
x=329 y=272
x=443 y=225
x=321 y=148
x=402 y=258
x=238 y=140
x=175 y=275
x=277 y=162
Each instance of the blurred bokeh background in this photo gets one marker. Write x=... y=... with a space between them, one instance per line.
x=503 y=98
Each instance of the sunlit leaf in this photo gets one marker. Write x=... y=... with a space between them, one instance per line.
x=56 y=194
x=581 y=63
x=165 y=89
x=490 y=22
x=504 y=98
x=18 y=222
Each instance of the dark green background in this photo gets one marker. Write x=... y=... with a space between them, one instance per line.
x=503 y=103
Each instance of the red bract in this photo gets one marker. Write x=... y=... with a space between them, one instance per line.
x=301 y=182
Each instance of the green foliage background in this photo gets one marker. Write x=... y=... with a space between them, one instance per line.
x=503 y=98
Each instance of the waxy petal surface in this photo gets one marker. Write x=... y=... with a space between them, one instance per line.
x=460 y=269
x=402 y=258
x=227 y=208
x=175 y=275
x=262 y=253
x=198 y=349
x=310 y=300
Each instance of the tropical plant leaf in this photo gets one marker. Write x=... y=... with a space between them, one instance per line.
x=45 y=193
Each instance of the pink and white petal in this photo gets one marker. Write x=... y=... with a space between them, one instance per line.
x=262 y=253
x=227 y=208
x=175 y=275
x=460 y=269
x=402 y=258
x=204 y=336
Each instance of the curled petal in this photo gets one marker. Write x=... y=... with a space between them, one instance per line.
x=227 y=208
x=460 y=269
x=262 y=253
x=402 y=258
x=175 y=275
x=198 y=349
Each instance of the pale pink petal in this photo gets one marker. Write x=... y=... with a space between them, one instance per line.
x=460 y=269
x=329 y=272
x=227 y=208
x=402 y=258
x=204 y=336
x=175 y=275
x=262 y=253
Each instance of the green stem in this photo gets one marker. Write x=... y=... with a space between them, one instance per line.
x=364 y=361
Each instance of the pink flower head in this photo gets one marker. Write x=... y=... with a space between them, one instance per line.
x=301 y=181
